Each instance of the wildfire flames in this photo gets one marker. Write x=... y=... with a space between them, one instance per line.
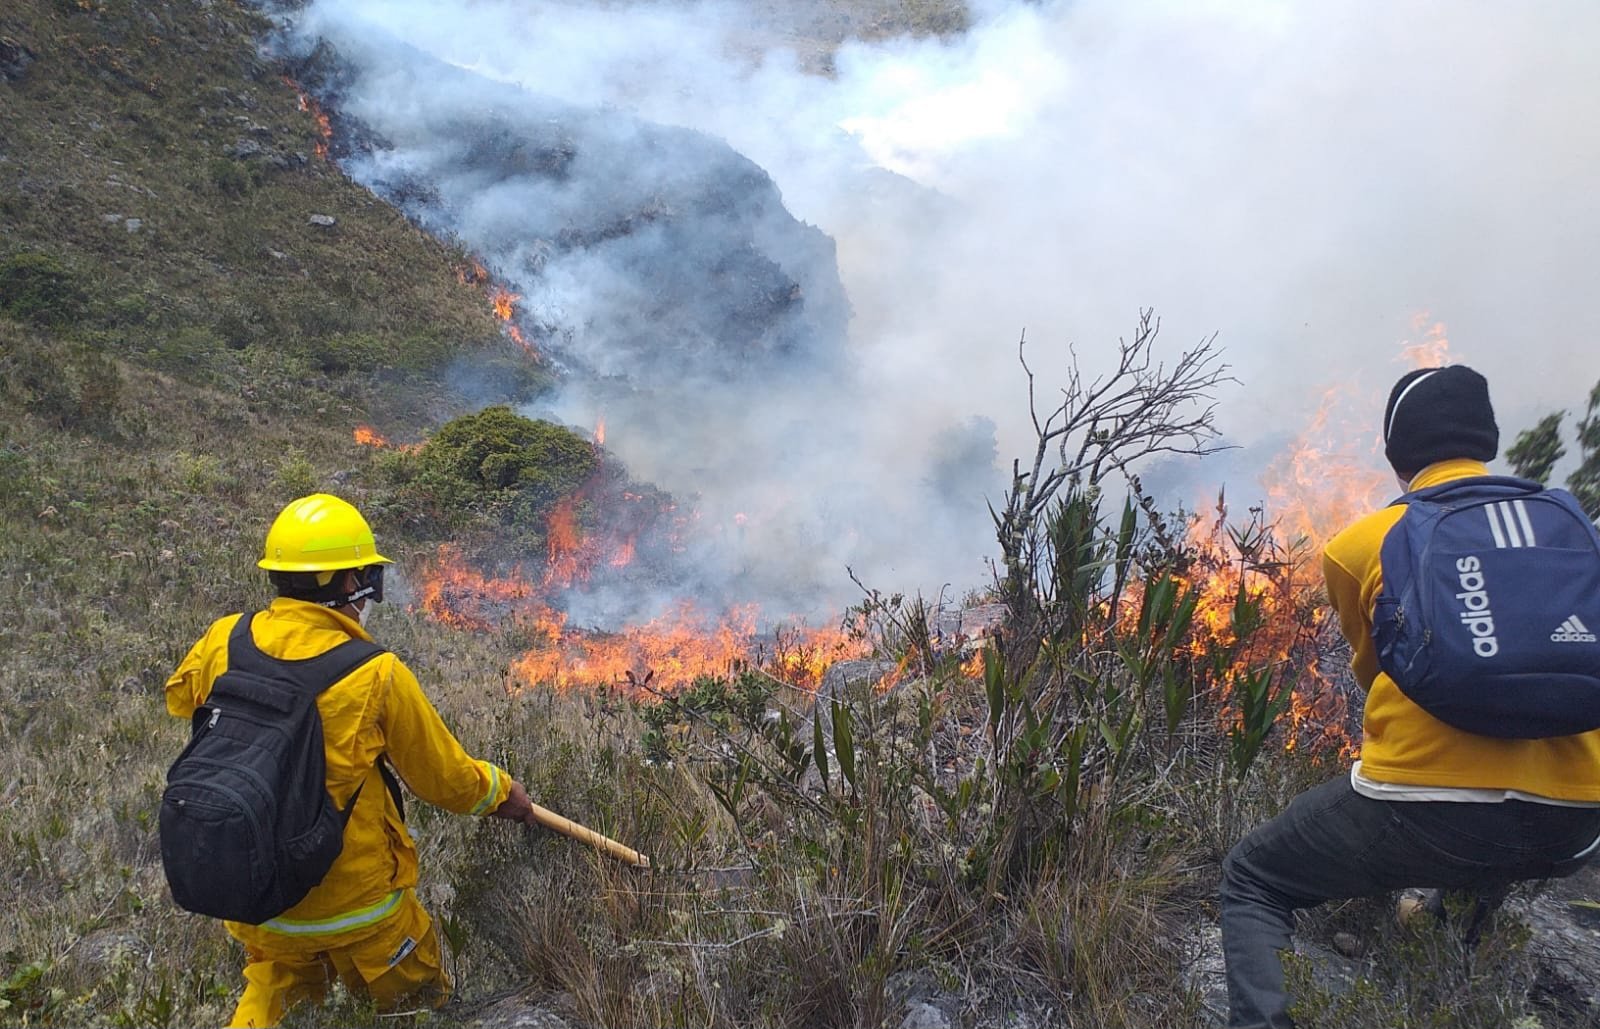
x=367 y=436
x=1325 y=480
x=1321 y=483
x=324 y=123
x=674 y=650
x=504 y=303
x=1433 y=350
x=664 y=655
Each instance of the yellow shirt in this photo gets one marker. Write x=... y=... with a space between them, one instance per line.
x=1402 y=743
x=377 y=709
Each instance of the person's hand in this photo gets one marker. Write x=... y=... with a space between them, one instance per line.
x=517 y=807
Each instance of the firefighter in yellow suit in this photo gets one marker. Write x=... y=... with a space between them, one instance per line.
x=363 y=923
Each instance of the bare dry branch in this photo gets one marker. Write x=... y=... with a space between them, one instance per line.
x=1103 y=426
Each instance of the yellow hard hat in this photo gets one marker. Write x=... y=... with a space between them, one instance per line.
x=319 y=533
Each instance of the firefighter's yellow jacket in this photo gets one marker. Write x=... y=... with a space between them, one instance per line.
x=1402 y=743
x=377 y=709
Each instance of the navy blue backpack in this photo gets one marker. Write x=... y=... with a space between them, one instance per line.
x=1489 y=609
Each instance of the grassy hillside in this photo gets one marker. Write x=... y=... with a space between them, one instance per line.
x=165 y=177
x=182 y=349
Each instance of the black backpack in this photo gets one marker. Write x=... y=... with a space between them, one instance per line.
x=247 y=825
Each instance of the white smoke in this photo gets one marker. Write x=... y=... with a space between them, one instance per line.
x=1304 y=180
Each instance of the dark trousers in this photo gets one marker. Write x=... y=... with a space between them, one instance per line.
x=1332 y=843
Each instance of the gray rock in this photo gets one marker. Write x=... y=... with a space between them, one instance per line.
x=522 y=1011
x=922 y=1015
x=326 y=221
x=843 y=675
x=1565 y=943
x=925 y=1004
x=245 y=149
x=133 y=224
x=14 y=59
x=98 y=953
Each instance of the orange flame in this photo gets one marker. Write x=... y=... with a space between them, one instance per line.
x=324 y=123
x=1433 y=350
x=1332 y=474
x=669 y=653
x=454 y=593
x=504 y=303
x=367 y=436
x=665 y=655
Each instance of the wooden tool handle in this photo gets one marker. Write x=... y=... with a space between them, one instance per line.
x=605 y=844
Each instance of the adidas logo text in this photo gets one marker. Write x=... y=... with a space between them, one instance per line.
x=1572 y=631
x=1474 y=597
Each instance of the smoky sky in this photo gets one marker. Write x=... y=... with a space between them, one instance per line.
x=1315 y=184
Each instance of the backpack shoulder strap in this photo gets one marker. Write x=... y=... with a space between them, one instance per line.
x=392 y=782
x=1502 y=486
x=332 y=665
x=314 y=673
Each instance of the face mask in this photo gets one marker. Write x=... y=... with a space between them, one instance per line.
x=363 y=612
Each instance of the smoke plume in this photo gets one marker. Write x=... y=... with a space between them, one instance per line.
x=1317 y=184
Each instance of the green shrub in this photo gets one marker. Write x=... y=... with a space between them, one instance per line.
x=231 y=178
x=340 y=353
x=184 y=350
x=296 y=475
x=498 y=464
x=34 y=287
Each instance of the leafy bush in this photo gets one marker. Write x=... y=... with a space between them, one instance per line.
x=232 y=178
x=34 y=287
x=1537 y=450
x=494 y=464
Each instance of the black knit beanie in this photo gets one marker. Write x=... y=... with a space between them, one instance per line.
x=1435 y=414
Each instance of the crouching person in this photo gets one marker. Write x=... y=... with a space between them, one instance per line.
x=1431 y=803
x=282 y=816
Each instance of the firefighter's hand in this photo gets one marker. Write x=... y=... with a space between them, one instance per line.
x=517 y=807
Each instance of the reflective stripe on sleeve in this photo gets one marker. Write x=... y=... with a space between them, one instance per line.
x=494 y=789
x=357 y=919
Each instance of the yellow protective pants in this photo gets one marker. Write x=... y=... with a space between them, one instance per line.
x=396 y=963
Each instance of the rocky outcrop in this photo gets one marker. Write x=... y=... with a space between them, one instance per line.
x=15 y=57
